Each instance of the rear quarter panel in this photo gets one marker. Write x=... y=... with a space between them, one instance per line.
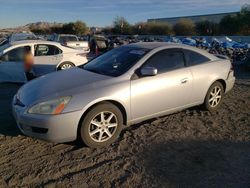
x=71 y=56
x=205 y=75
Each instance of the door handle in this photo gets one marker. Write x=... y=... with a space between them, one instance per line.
x=184 y=80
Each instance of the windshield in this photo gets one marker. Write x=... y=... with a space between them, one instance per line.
x=22 y=36
x=117 y=61
x=5 y=46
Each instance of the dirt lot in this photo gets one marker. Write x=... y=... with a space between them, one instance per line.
x=192 y=148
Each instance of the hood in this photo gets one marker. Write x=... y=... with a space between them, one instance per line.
x=59 y=84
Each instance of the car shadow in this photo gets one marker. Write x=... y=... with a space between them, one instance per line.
x=7 y=123
x=195 y=109
x=197 y=163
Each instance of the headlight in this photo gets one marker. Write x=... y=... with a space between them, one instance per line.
x=55 y=106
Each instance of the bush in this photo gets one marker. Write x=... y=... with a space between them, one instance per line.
x=184 y=27
x=80 y=28
x=229 y=25
x=77 y=28
x=238 y=24
x=207 y=28
x=158 y=29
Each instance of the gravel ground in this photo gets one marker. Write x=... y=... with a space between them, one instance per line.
x=192 y=148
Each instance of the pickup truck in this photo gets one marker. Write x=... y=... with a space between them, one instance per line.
x=71 y=41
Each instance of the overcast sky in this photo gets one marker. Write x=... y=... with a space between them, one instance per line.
x=102 y=12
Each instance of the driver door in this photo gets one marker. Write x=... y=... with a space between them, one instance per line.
x=11 y=65
x=169 y=90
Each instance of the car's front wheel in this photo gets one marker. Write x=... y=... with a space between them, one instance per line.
x=101 y=125
x=214 y=96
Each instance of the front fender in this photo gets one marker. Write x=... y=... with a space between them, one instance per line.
x=119 y=93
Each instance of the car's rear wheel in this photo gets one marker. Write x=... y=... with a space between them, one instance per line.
x=214 y=96
x=65 y=65
x=101 y=125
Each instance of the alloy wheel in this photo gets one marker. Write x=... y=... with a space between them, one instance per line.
x=215 y=96
x=103 y=126
x=66 y=66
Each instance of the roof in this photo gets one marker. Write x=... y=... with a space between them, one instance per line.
x=153 y=45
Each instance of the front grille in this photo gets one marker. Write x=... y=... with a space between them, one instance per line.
x=33 y=129
x=39 y=130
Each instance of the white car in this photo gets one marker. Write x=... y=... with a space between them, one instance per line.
x=48 y=57
x=71 y=41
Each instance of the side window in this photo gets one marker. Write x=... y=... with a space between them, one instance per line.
x=15 y=55
x=72 y=38
x=166 y=60
x=46 y=50
x=194 y=58
x=63 y=39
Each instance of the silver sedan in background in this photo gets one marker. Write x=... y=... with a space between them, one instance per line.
x=124 y=86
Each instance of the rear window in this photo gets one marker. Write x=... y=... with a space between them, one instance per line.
x=64 y=39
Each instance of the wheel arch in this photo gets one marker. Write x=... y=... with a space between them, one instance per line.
x=114 y=102
x=58 y=65
x=220 y=80
x=223 y=82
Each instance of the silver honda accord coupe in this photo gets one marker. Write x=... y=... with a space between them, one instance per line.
x=124 y=86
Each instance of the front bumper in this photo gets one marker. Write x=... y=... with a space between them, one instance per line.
x=55 y=128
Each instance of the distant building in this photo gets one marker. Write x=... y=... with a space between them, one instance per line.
x=210 y=17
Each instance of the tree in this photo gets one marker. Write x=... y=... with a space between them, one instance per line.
x=244 y=19
x=56 y=29
x=79 y=28
x=152 y=28
x=184 y=27
x=158 y=28
x=68 y=28
x=245 y=9
x=207 y=28
x=107 y=30
x=229 y=25
x=238 y=24
x=121 y=26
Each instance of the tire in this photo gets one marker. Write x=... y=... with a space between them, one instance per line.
x=93 y=127
x=65 y=65
x=211 y=102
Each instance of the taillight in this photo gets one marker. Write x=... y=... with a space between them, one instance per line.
x=231 y=68
x=231 y=71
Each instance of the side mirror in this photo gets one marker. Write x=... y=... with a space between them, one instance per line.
x=148 y=71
